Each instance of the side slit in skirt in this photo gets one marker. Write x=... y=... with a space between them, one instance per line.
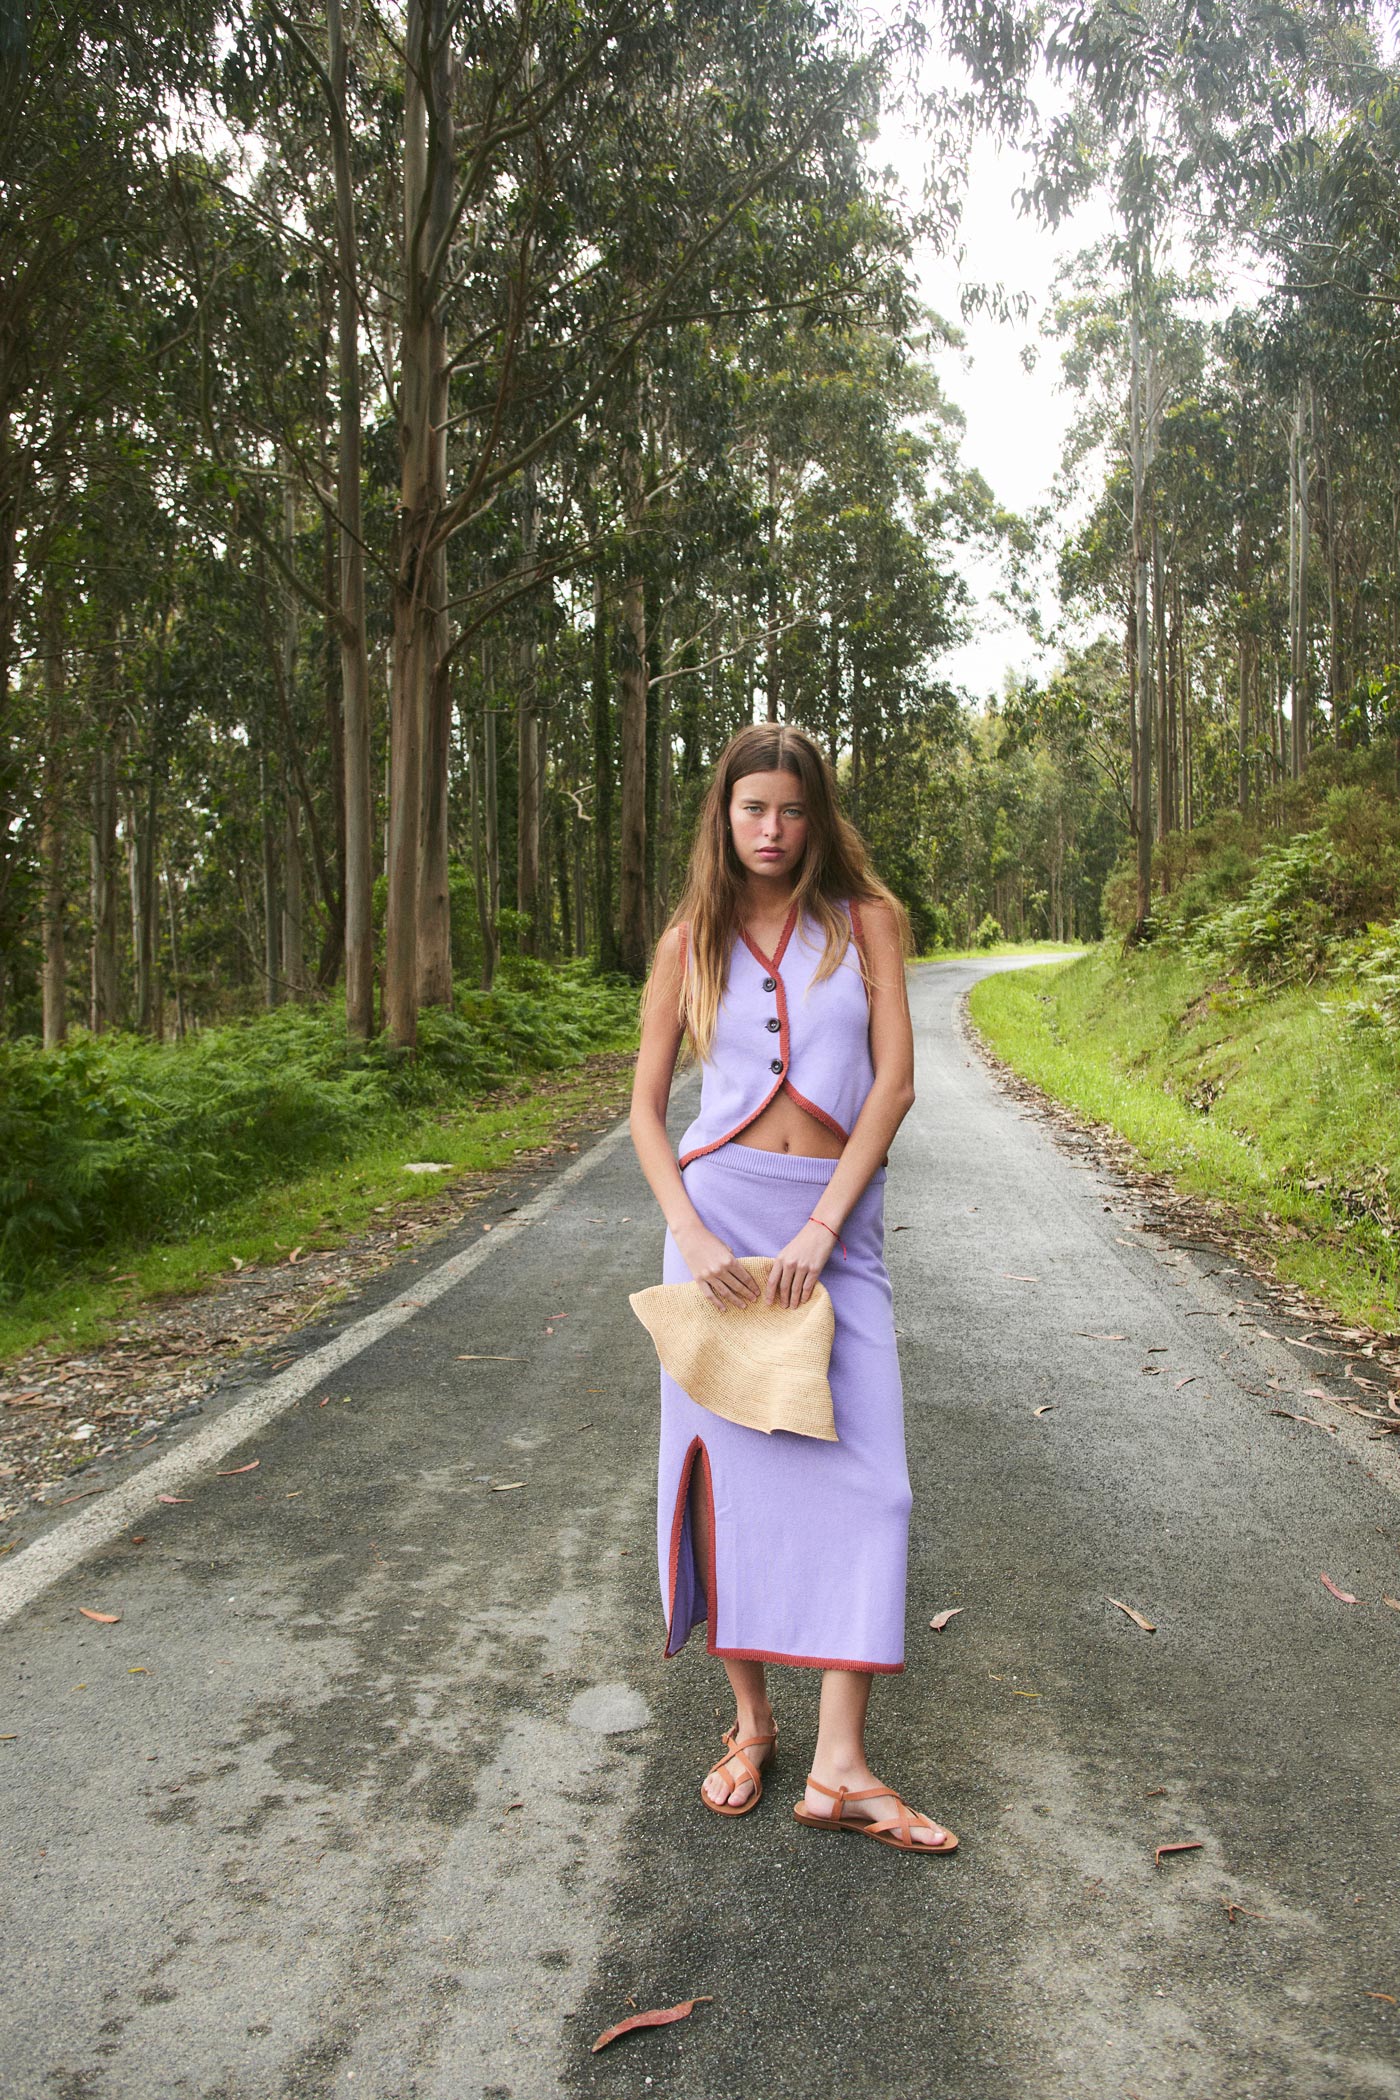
x=810 y=1539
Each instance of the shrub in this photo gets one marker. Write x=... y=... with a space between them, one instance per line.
x=988 y=932
x=116 y=1138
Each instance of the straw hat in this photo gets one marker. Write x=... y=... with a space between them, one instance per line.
x=762 y=1366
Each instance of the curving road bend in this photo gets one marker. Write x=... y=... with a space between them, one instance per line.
x=377 y=1787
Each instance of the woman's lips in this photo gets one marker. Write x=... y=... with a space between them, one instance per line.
x=770 y=852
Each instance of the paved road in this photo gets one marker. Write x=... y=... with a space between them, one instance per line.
x=380 y=1788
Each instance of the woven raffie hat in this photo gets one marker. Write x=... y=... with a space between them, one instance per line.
x=762 y=1366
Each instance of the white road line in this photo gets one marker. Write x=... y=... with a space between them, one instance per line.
x=51 y=1556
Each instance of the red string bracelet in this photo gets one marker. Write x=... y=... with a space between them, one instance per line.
x=815 y=1220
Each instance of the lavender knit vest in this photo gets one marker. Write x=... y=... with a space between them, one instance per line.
x=778 y=1029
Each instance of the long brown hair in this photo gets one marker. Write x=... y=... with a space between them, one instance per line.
x=835 y=867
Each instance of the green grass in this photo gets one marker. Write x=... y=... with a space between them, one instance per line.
x=314 y=1211
x=1260 y=1098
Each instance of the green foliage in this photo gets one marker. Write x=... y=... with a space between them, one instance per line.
x=988 y=933
x=117 y=1139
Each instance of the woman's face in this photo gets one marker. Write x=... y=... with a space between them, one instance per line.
x=768 y=820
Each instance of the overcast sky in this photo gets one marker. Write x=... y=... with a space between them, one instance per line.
x=1016 y=419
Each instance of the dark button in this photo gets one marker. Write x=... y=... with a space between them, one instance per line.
x=770 y=984
x=777 y=1065
x=774 y=1025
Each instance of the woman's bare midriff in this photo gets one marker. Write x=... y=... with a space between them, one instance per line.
x=784 y=1127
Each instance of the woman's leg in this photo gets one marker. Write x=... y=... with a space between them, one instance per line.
x=839 y=1759
x=729 y=1785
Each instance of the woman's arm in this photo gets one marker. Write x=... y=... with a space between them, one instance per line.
x=889 y=1101
x=709 y=1261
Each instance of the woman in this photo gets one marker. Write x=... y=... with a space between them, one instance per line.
x=784 y=963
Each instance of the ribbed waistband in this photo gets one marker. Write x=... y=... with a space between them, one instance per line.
x=772 y=1166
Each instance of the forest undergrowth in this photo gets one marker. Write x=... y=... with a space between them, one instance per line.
x=1251 y=1050
x=169 y=1161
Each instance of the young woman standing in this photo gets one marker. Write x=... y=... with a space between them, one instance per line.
x=784 y=964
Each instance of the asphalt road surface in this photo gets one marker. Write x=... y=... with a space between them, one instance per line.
x=378 y=1787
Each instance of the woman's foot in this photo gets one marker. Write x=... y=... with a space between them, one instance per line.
x=873 y=1808
x=729 y=1784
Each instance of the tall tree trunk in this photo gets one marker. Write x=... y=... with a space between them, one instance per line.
x=293 y=899
x=632 y=699
x=357 y=799
x=271 y=909
x=102 y=980
x=1139 y=419
x=1300 y=539
x=53 y=899
x=145 y=811
x=527 y=740
x=1162 y=667
x=1246 y=651
x=603 y=780
x=434 y=895
x=774 y=605
x=175 y=976
x=418 y=613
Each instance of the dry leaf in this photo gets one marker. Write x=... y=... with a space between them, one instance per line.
x=174 y=1498
x=1315 y=1392
x=491 y=1359
x=236 y=1260
x=1045 y=1408
x=1025 y=1695
x=1181 y=1845
x=1089 y=1336
x=1393 y=1602
x=1343 y=1596
x=1237 y=1910
x=103 y=1618
x=1184 y=1381
x=294 y=1253
x=1311 y=1420
x=229 y=1471
x=941 y=1618
x=1136 y=1616
x=1012 y=1278
x=649 y=2019
x=1383 y=1994
x=503 y=1487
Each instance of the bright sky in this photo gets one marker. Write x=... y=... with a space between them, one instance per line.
x=1016 y=419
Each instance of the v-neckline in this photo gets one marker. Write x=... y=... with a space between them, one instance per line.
x=773 y=963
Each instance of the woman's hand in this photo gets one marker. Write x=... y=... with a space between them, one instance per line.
x=714 y=1268
x=797 y=1269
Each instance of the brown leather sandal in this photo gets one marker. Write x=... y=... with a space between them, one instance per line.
x=751 y=1772
x=894 y=1830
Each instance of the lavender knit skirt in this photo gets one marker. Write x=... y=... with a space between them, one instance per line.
x=810 y=1539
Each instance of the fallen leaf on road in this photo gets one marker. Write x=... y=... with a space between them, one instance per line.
x=1311 y=1420
x=81 y=1494
x=174 y=1498
x=491 y=1359
x=1393 y=1602
x=503 y=1487
x=1383 y=1994
x=1311 y=1346
x=1315 y=1392
x=941 y=1618
x=1044 y=1408
x=103 y=1618
x=229 y=1471
x=1012 y=1278
x=1237 y=1910
x=294 y=1253
x=1136 y=1616
x=138 y=1538
x=1343 y=1596
x=1089 y=1336
x=1153 y=1790
x=649 y=2019
x=1025 y=1695
x=1181 y=1845
x=1191 y=1380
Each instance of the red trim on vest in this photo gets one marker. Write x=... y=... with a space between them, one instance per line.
x=696 y=1451
x=858 y=930
x=812 y=1110
x=773 y=966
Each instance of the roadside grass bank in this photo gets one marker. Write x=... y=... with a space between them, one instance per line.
x=1278 y=1101
x=134 y=1170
